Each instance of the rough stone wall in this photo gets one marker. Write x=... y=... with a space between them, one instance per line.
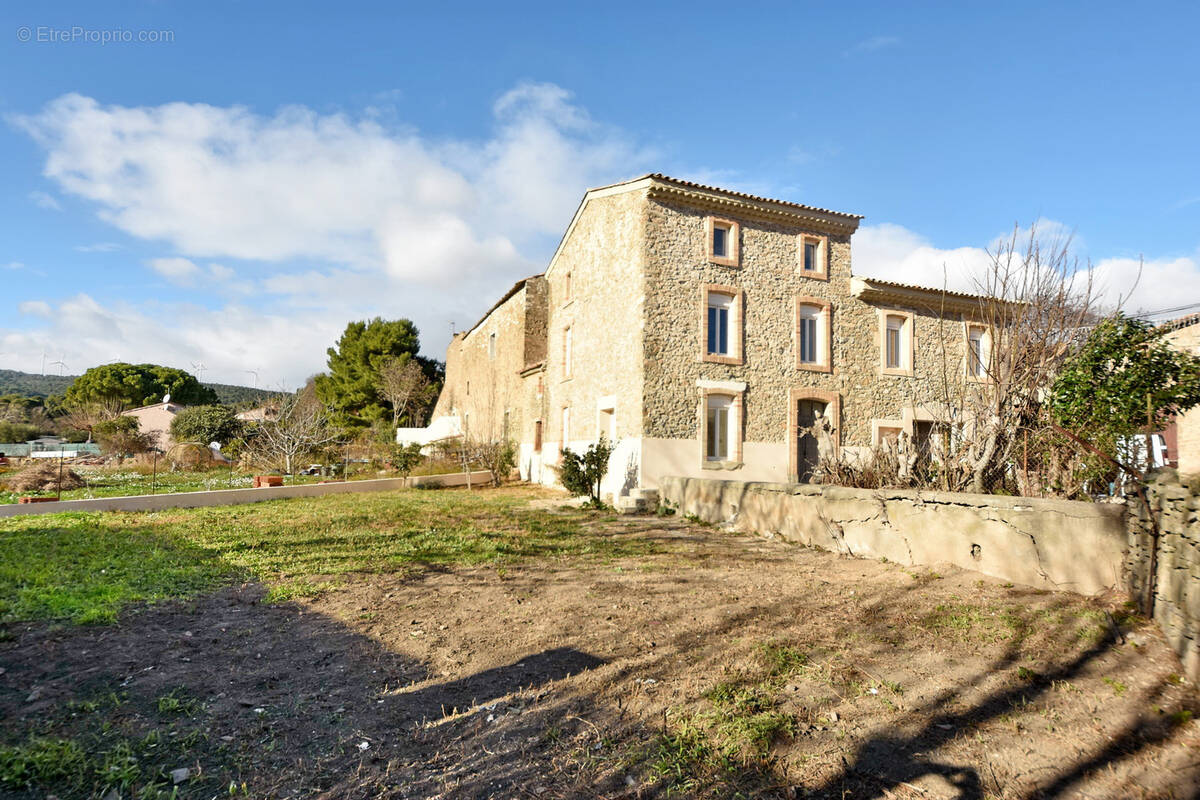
x=479 y=389
x=677 y=268
x=1175 y=580
x=1030 y=541
x=536 y=319
x=603 y=254
x=1188 y=423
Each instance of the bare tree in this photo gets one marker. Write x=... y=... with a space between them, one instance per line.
x=404 y=385
x=1036 y=302
x=299 y=427
x=985 y=397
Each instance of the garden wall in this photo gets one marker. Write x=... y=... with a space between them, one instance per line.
x=1170 y=573
x=1049 y=544
x=233 y=497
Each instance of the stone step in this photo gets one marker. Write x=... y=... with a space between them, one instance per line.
x=649 y=495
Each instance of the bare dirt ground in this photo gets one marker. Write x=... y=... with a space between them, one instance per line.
x=721 y=666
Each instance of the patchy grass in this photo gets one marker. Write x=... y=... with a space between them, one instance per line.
x=85 y=568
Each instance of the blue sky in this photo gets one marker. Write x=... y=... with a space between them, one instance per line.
x=234 y=195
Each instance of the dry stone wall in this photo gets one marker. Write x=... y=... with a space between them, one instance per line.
x=1170 y=571
x=1035 y=542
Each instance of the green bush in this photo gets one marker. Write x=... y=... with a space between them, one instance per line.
x=581 y=473
x=18 y=432
x=120 y=435
x=206 y=424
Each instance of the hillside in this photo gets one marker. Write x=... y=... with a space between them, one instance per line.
x=33 y=385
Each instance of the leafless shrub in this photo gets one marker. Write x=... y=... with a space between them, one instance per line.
x=300 y=427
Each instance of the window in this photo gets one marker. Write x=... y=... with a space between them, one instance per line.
x=813 y=334
x=537 y=436
x=723 y=241
x=813 y=257
x=566 y=426
x=979 y=354
x=717 y=427
x=895 y=333
x=567 y=352
x=567 y=288
x=719 y=424
x=719 y=306
x=808 y=334
x=896 y=342
x=492 y=346
x=721 y=324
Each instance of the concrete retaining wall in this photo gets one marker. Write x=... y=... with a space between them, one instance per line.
x=233 y=497
x=1050 y=544
x=1174 y=581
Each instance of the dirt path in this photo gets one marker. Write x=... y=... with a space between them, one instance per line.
x=724 y=664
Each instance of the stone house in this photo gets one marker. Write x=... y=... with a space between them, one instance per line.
x=155 y=419
x=1182 y=437
x=705 y=331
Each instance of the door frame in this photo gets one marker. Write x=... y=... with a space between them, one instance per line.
x=832 y=400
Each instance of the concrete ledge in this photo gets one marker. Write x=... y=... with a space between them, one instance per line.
x=234 y=497
x=1049 y=544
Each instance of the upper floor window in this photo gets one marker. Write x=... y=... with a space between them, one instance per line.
x=492 y=345
x=979 y=354
x=808 y=334
x=567 y=352
x=813 y=257
x=721 y=324
x=720 y=306
x=567 y=288
x=897 y=343
x=813 y=334
x=724 y=245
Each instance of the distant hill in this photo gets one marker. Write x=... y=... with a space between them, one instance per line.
x=33 y=385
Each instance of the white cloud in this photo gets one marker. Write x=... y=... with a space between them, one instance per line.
x=893 y=252
x=225 y=182
x=872 y=44
x=99 y=247
x=14 y=265
x=179 y=271
x=89 y=333
x=221 y=272
x=1150 y=285
x=37 y=308
x=44 y=200
x=331 y=218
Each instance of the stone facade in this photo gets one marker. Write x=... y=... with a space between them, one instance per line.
x=485 y=388
x=618 y=346
x=1166 y=566
x=1186 y=336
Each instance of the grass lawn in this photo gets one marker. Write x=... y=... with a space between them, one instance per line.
x=86 y=567
x=123 y=482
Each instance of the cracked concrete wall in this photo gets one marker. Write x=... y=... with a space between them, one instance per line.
x=1048 y=544
x=1176 y=578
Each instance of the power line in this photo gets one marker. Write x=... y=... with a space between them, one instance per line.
x=1174 y=310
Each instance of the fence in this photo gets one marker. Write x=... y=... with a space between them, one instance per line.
x=50 y=449
x=233 y=497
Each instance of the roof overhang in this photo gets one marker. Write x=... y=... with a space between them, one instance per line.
x=942 y=301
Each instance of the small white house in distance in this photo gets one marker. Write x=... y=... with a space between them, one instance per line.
x=447 y=427
x=156 y=419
